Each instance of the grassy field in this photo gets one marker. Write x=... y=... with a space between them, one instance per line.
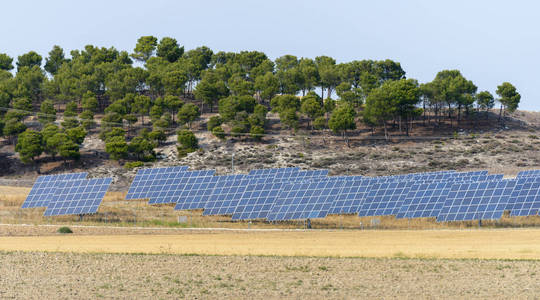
x=462 y=244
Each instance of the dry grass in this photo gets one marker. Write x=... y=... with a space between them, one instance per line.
x=481 y=244
x=120 y=276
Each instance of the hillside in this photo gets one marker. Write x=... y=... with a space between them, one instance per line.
x=480 y=145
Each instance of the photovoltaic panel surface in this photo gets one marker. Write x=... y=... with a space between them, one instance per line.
x=306 y=200
x=525 y=200
x=528 y=173
x=257 y=200
x=78 y=197
x=150 y=179
x=196 y=197
x=226 y=196
x=424 y=200
x=43 y=189
x=169 y=189
x=477 y=201
x=351 y=195
x=384 y=199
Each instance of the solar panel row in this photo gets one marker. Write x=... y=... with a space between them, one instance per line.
x=289 y=193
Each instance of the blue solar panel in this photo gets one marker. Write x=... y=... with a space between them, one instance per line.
x=424 y=199
x=384 y=199
x=170 y=188
x=528 y=173
x=257 y=200
x=43 y=189
x=78 y=197
x=525 y=200
x=196 y=197
x=476 y=201
x=226 y=196
x=151 y=179
x=306 y=200
x=351 y=195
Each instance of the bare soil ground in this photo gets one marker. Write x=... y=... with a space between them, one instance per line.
x=38 y=275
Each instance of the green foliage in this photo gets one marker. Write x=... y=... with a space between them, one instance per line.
x=213 y=122
x=76 y=134
x=133 y=164
x=29 y=145
x=289 y=118
x=169 y=49
x=210 y=89
x=485 y=100
x=156 y=112
x=13 y=127
x=267 y=85
x=29 y=59
x=187 y=142
x=188 y=113
x=142 y=148
x=342 y=119
x=117 y=147
x=172 y=103
x=69 y=150
x=64 y=230
x=218 y=132
x=157 y=136
x=312 y=106
x=320 y=123
x=55 y=60
x=108 y=133
x=6 y=62
x=229 y=107
x=145 y=48
x=509 y=97
x=89 y=102
x=47 y=112
x=285 y=102
x=71 y=109
x=257 y=132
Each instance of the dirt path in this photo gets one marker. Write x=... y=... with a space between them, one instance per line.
x=483 y=244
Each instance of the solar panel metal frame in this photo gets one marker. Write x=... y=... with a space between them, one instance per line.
x=44 y=188
x=78 y=197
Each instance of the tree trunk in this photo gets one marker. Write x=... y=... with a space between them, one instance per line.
x=322 y=92
x=500 y=113
x=385 y=131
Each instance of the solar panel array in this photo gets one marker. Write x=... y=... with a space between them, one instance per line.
x=78 y=197
x=292 y=194
x=67 y=194
x=42 y=191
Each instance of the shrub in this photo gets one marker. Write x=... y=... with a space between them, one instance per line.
x=65 y=230
x=133 y=164
x=218 y=132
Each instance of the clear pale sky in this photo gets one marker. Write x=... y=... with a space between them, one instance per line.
x=489 y=41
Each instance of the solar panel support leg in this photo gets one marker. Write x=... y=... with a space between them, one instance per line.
x=480 y=223
x=308 y=223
